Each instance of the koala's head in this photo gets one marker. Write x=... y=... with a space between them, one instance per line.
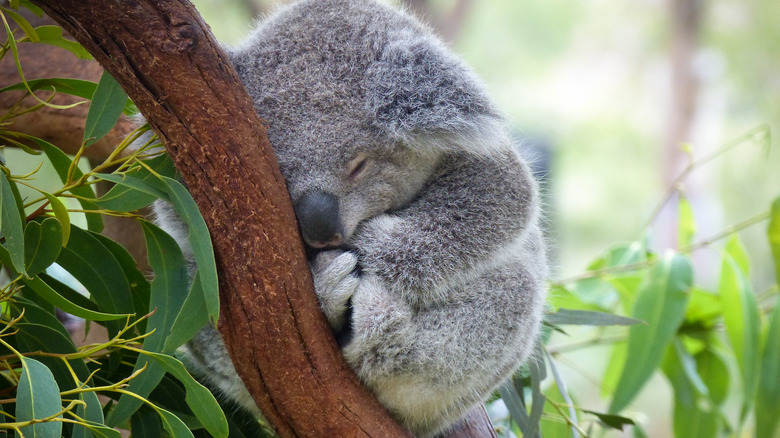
x=361 y=103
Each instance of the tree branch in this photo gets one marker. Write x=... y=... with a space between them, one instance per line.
x=175 y=71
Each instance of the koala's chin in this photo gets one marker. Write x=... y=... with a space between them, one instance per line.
x=420 y=218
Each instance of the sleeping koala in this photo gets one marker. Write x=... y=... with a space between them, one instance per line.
x=422 y=219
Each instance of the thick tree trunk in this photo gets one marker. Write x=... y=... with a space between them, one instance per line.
x=171 y=66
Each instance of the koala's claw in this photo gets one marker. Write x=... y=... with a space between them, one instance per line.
x=335 y=281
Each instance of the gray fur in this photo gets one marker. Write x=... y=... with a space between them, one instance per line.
x=441 y=220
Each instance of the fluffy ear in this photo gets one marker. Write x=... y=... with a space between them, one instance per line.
x=431 y=100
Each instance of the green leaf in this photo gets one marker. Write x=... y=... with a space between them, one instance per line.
x=715 y=373
x=704 y=308
x=11 y=224
x=61 y=213
x=139 y=285
x=691 y=417
x=773 y=232
x=686 y=225
x=51 y=295
x=199 y=240
x=99 y=430
x=191 y=318
x=130 y=192
x=661 y=303
x=23 y=24
x=169 y=287
x=42 y=244
x=617 y=361
x=31 y=7
x=600 y=291
x=538 y=372
x=199 y=399
x=106 y=107
x=695 y=421
x=168 y=293
x=611 y=420
x=738 y=253
x=768 y=395
x=740 y=313
x=95 y=267
x=516 y=407
x=585 y=317
x=38 y=397
x=554 y=423
x=146 y=423
x=93 y=413
x=52 y=35
x=173 y=425
x=563 y=391
x=62 y=164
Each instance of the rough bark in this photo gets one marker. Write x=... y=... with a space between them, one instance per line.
x=171 y=66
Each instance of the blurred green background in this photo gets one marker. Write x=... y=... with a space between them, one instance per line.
x=615 y=92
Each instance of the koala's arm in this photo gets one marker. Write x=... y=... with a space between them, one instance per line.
x=472 y=209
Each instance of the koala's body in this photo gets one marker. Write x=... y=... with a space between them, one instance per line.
x=431 y=263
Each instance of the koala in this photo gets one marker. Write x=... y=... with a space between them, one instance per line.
x=421 y=218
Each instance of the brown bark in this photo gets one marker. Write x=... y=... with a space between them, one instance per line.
x=171 y=66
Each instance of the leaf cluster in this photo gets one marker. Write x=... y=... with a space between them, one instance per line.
x=49 y=385
x=716 y=346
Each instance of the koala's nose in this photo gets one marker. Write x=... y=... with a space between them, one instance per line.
x=318 y=217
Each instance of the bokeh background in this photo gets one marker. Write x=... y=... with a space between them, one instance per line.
x=612 y=100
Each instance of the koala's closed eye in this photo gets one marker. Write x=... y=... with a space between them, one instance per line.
x=358 y=167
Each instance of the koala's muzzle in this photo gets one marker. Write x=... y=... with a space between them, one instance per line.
x=318 y=217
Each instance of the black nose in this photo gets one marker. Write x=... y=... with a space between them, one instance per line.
x=318 y=217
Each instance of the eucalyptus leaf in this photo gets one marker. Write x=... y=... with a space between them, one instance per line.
x=168 y=292
x=52 y=35
x=23 y=24
x=11 y=227
x=52 y=295
x=42 y=244
x=586 y=317
x=611 y=420
x=37 y=397
x=768 y=395
x=514 y=403
x=740 y=313
x=96 y=267
x=173 y=425
x=198 y=398
x=773 y=233
x=146 y=423
x=61 y=213
x=661 y=302
x=199 y=240
x=191 y=318
x=686 y=223
x=93 y=413
x=106 y=107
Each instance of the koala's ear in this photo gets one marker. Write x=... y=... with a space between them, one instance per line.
x=431 y=100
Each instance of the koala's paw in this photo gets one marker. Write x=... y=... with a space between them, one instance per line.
x=335 y=281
